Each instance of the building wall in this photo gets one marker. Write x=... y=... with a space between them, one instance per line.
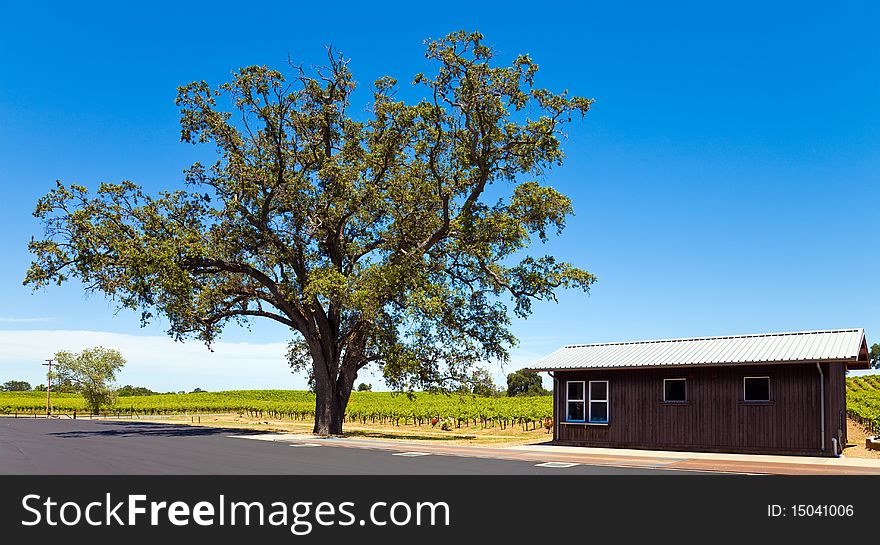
x=835 y=385
x=715 y=418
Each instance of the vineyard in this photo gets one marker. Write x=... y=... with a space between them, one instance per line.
x=863 y=406
x=364 y=407
x=863 y=401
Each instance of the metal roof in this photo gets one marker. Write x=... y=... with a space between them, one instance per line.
x=838 y=345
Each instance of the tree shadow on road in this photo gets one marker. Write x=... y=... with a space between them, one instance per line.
x=145 y=429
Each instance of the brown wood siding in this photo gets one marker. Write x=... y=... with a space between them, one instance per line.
x=835 y=423
x=715 y=418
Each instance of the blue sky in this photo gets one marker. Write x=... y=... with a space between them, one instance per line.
x=723 y=182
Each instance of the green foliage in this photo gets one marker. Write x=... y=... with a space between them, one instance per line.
x=481 y=383
x=364 y=387
x=15 y=386
x=91 y=372
x=372 y=237
x=525 y=383
x=875 y=356
x=363 y=405
x=64 y=385
x=863 y=400
x=128 y=390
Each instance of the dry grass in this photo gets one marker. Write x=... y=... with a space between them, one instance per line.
x=855 y=447
x=513 y=435
x=433 y=434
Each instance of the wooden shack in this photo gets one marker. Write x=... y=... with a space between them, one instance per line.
x=772 y=393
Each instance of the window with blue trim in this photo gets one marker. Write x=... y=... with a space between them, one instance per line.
x=599 y=401
x=574 y=401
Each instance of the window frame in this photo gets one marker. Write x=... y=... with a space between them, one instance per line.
x=583 y=400
x=606 y=401
x=769 y=389
x=685 y=400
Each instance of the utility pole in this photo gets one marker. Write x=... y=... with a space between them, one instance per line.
x=48 y=387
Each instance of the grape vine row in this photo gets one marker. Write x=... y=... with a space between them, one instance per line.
x=365 y=407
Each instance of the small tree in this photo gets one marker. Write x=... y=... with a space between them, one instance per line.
x=364 y=387
x=481 y=383
x=92 y=373
x=875 y=356
x=15 y=386
x=525 y=382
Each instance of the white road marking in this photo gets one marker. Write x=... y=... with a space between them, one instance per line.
x=411 y=454
x=274 y=437
x=557 y=464
x=305 y=445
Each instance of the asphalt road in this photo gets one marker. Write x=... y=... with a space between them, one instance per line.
x=59 y=446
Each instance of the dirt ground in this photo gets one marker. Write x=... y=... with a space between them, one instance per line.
x=496 y=436
x=513 y=435
x=855 y=447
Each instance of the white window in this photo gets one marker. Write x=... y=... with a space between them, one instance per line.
x=756 y=388
x=574 y=401
x=674 y=390
x=599 y=401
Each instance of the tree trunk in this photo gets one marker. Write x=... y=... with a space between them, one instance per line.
x=328 y=412
x=331 y=399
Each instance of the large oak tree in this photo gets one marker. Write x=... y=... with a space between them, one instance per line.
x=393 y=236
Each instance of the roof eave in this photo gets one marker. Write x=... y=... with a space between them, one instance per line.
x=849 y=362
x=863 y=360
